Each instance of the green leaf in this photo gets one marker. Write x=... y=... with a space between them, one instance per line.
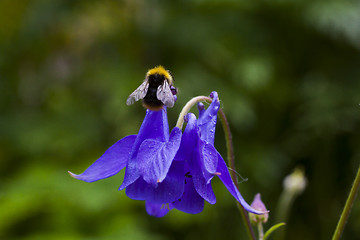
x=273 y=228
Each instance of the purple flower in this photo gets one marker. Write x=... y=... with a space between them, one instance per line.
x=169 y=170
x=148 y=157
x=201 y=163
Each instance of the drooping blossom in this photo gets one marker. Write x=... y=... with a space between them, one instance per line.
x=169 y=170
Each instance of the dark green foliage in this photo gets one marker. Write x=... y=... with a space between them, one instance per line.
x=287 y=74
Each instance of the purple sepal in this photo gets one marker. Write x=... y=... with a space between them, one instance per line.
x=155 y=126
x=229 y=184
x=131 y=175
x=155 y=157
x=189 y=139
x=110 y=163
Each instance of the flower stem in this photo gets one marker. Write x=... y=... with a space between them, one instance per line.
x=347 y=208
x=231 y=161
x=188 y=106
x=260 y=231
x=230 y=152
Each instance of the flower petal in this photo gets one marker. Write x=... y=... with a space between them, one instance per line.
x=110 y=163
x=207 y=120
x=156 y=210
x=191 y=145
x=203 y=188
x=201 y=184
x=155 y=126
x=191 y=201
x=131 y=174
x=201 y=108
x=188 y=139
x=167 y=191
x=209 y=160
x=155 y=157
x=229 y=184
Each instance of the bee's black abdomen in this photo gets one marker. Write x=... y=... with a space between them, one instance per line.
x=151 y=100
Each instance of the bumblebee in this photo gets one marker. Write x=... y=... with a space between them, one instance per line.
x=156 y=91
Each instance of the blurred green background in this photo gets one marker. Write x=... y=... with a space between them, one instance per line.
x=287 y=73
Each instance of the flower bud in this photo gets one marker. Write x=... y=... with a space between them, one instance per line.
x=260 y=206
x=295 y=182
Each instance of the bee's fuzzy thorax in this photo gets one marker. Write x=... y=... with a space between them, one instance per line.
x=162 y=71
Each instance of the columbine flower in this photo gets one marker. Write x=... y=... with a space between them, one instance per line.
x=201 y=163
x=148 y=156
x=169 y=170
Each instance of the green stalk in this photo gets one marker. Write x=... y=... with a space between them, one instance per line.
x=187 y=108
x=260 y=231
x=347 y=208
x=231 y=161
x=230 y=152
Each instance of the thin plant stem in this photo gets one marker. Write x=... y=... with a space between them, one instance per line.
x=347 y=208
x=188 y=106
x=230 y=152
x=260 y=231
x=231 y=161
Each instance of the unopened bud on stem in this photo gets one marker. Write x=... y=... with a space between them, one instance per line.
x=260 y=206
